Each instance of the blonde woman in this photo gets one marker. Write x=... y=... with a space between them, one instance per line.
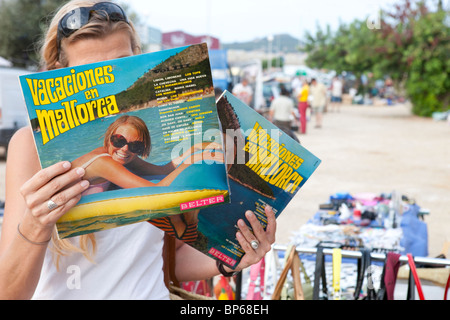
x=121 y=263
x=120 y=160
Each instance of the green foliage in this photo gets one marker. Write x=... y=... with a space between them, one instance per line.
x=143 y=90
x=411 y=46
x=277 y=62
x=428 y=84
x=22 y=23
x=22 y=26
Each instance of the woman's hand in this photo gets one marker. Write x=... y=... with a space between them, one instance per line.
x=57 y=183
x=264 y=238
x=194 y=265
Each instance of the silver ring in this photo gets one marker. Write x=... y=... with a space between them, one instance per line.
x=254 y=244
x=51 y=205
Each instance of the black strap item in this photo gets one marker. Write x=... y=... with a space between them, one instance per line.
x=169 y=253
x=361 y=270
x=320 y=274
x=411 y=288
x=364 y=268
x=382 y=294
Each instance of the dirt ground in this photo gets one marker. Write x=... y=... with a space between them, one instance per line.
x=376 y=149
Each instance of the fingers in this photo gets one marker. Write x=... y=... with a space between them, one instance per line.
x=271 y=224
x=44 y=176
x=245 y=236
x=265 y=238
x=59 y=183
x=54 y=189
x=54 y=215
x=56 y=183
x=66 y=199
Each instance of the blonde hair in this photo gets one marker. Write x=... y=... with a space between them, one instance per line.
x=53 y=57
x=97 y=27
x=140 y=127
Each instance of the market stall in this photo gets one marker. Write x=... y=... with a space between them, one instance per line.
x=345 y=249
x=355 y=247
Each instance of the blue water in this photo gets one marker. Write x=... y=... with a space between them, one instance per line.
x=218 y=224
x=83 y=139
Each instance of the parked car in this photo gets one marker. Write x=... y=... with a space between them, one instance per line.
x=13 y=112
x=272 y=89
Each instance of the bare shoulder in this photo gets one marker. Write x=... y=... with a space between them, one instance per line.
x=22 y=148
x=22 y=135
x=22 y=160
x=88 y=156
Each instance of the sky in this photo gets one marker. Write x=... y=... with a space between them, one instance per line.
x=246 y=20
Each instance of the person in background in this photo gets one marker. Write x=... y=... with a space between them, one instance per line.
x=282 y=113
x=336 y=94
x=296 y=85
x=244 y=92
x=119 y=263
x=217 y=93
x=319 y=99
x=303 y=106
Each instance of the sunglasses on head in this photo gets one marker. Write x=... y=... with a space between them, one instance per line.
x=119 y=141
x=79 y=17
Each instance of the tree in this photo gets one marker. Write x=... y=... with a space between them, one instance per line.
x=421 y=39
x=277 y=62
x=21 y=26
x=350 y=48
x=411 y=46
x=322 y=50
